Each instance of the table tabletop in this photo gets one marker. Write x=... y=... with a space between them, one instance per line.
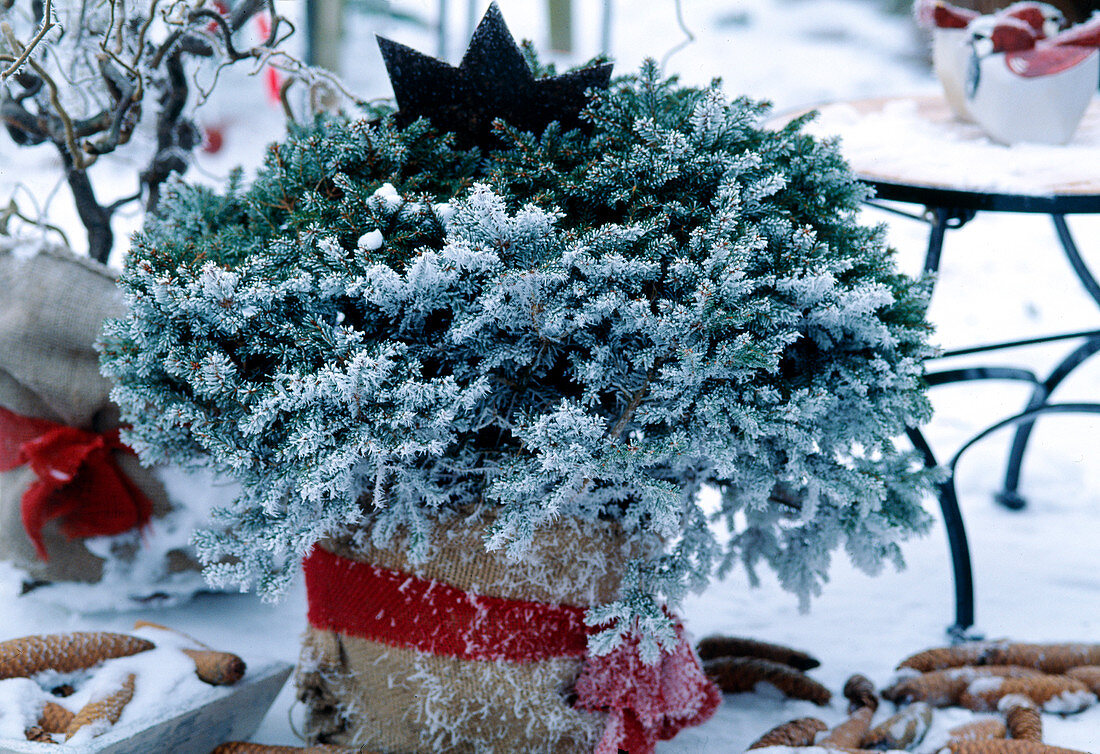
x=913 y=149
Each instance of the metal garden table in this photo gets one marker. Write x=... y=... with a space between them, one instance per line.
x=885 y=161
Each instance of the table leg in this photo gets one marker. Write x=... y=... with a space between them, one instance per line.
x=1009 y=495
x=938 y=217
x=942 y=219
x=952 y=515
x=956 y=540
x=1074 y=257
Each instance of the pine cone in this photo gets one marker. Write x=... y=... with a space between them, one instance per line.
x=216 y=668
x=731 y=646
x=942 y=688
x=798 y=732
x=979 y=730
x=849 y=734
x=1025 y=723
x=902 y=731
x=107 y=708
x=20 y=658
x=860 y=692
x=34 y=733
x=1054 y=693
x=971 y=653
x=54 y=718
x=734 y=675
x=213 y=667
x=1050 y=658
x=1088 y=675
x=1006 y=746
x=244 y=747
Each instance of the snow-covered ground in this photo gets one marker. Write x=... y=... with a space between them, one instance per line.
x=1037 y=571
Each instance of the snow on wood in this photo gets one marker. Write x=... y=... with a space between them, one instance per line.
x=192 y=729
x=916 y=140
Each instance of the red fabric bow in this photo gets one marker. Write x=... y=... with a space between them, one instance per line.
x=79 y=480
x=645 y=703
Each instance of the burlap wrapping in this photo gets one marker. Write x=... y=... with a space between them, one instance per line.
x=52 y=306
x=364 y=693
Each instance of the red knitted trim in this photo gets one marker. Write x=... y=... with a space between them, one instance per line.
x=401 y=610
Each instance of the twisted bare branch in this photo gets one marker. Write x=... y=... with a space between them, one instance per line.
x=9 y=36
x=104 y=73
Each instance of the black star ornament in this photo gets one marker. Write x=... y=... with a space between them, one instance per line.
x=492 y=81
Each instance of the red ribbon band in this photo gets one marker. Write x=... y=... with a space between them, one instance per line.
x=644 y=702
x=395 y=608
x=79 y=480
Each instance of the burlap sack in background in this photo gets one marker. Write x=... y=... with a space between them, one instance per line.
x=364 y=693
x=52 y=306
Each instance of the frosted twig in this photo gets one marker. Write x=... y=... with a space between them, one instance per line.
x=143 y=31
x=310 y=75
x=12 y=210
x=47 y=24
x=66 y=120
x=218 y=20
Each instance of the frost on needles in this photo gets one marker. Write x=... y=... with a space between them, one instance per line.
x=383 y=328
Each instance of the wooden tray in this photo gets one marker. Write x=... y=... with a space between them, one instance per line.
x=192 y=730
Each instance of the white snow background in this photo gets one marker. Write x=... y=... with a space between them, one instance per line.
x=1037 y=571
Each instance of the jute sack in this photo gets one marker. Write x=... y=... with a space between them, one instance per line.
x=52 y=306
x=361 y=692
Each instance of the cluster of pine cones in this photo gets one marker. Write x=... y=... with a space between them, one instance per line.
x=1017 y=680
x=1060 y=678
x=28 y=656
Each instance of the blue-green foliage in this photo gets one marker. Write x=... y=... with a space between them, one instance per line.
x=381 y=328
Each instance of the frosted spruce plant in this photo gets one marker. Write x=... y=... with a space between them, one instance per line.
x=384 y=327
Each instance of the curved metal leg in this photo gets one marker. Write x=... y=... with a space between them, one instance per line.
x=1074 y=257
x=1009 y=495
x=952 y=515
x=956 y=540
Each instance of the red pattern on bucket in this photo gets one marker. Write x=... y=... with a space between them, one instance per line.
x=1045 y=61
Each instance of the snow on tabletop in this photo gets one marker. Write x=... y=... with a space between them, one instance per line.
x=915 y=140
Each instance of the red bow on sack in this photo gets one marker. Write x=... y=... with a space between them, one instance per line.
x=79 y=480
